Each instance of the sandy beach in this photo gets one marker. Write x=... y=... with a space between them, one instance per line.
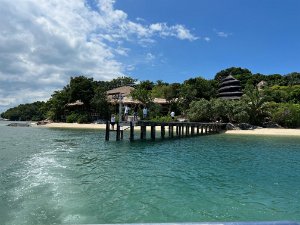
x=261 y=131
x=82 y=126
x=267 y=131
x=74 y=125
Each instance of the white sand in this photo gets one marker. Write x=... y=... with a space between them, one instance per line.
x=84 y=126
x=74 y=125
x=267 y=131
x=262 y=131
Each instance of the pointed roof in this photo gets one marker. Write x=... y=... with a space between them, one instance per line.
x=230 y=88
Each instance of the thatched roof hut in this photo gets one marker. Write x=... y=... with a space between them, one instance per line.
x=230 y=88
x=112 y=96
x=125 y=91
x=77 y=103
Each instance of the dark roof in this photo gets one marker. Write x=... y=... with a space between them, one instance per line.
x=230 y=88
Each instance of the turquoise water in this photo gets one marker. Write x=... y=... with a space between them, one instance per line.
x=54 y=176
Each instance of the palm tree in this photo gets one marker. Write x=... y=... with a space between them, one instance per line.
x=256 y=104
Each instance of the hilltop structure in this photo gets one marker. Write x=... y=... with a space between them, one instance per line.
x=230 y=88
x=123 y=94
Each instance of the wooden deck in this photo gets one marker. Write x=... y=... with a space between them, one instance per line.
x=174 y=129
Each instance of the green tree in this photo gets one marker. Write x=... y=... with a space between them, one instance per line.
x=256 y=104
x=292 y=78
x=142 y=93
x=81 y=88
x=285 y=114
x=233 y=71
x=57 y=104
x=119 y=82
x=195 y=89
x=199 y=111
x=26 y=112
x=100 y=104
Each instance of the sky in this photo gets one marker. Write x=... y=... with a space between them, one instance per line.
x=45 y=42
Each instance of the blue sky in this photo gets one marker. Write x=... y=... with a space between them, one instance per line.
x=45 y=42
x=261 y=35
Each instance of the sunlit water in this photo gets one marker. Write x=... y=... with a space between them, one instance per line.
x=57 y=176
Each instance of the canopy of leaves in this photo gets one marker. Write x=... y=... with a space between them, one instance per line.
x=218 y=110
x=26 y=112
x=233 y=71
x=195 y=96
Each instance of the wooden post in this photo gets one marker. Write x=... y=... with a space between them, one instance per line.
x=143 y=132
x=162 y=131
x=187 y=130
x=197 y=129
x=192 y=130
x=206 y=129
x=107 y=131
x=177 y=129
x=169 y=131
x=118 y=132
x=202 y=129
x=153 y=132
x=131 y=138
x=172 y=131
x=122 y=134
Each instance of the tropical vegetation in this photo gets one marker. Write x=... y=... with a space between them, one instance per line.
x=196 y=99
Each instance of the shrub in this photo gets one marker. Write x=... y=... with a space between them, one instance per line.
x=84 y=118
x=72 y=118
x=162 y=119
x=286 y=114
x=78 y=118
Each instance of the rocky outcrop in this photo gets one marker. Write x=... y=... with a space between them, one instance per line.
x=18 y=125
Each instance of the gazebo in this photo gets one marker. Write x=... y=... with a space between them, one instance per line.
x=230 y=88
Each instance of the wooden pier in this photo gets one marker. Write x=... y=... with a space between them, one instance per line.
x=175 y=129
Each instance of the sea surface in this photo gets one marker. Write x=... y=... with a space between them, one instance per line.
x=65 y=176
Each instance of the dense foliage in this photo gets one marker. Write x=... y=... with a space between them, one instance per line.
x=277 y=101
x=35 y=111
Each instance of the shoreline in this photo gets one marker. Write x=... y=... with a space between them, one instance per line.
x=267 y=131
x=74 y=126
x=260 y=131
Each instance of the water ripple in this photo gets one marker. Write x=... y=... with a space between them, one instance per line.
x=65 y=176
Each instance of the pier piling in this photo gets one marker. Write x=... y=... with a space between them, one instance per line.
x=183 y=129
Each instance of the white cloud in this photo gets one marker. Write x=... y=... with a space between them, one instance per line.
x=222 y=34
x=178 y=31
x=43 y=43
x=150 y=57
x=207 y=39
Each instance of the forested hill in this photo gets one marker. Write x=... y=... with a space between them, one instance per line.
x=279 y=90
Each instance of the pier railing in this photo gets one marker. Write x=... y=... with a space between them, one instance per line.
x=167 y=129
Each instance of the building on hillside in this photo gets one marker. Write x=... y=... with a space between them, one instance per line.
x=261 y=85
x=121 y=96
x=230 y=88
x=123 y=93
